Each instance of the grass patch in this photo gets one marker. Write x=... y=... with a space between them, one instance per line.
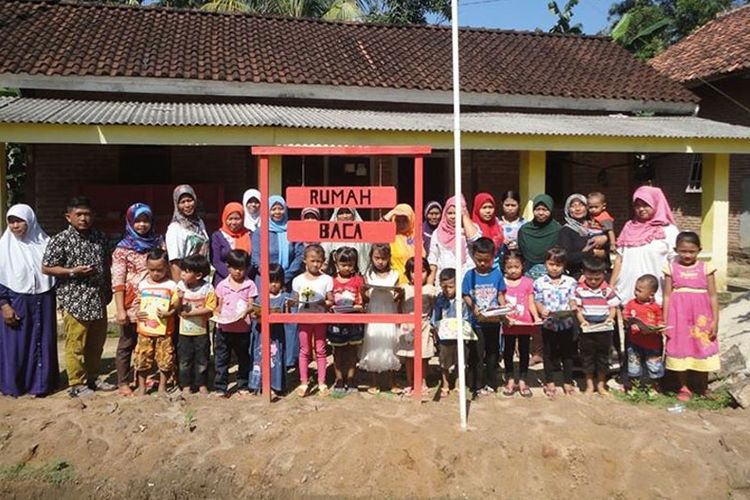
x=56 y=472
x=643 y=395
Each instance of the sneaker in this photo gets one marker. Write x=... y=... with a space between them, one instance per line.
x=80 y=391
x=101 y=385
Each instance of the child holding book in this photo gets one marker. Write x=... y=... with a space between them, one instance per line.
x=645 y=347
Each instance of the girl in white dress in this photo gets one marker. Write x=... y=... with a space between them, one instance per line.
x=378 y=354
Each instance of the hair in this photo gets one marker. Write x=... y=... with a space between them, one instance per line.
x=510 y=194
x=383 y=248
x=558 y=255
x=688 y=237
x=409 y=267
x=649 y=280
x=345 y=255
x=77 y=202
x=594 y=265
x=447 y=274
x=599 y=195
x=238 y=259
x=196 y=264
x=157 y=254
x=314 y=247
x=483 y=245
x=513 y=254
x=276 y=274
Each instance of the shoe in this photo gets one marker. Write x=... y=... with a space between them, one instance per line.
x=101 y=385
x=352 y=389
x=218 y=393
x=80 y=391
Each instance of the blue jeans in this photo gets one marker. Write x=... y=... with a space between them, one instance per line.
x=278 y=368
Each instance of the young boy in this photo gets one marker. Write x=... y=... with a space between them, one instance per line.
x=596 y=306
x=445 y=309
x=644 y=347
x=552 y=295
x=198 y=303
x=597 y=204
x=483 y=287
x=158 y=303
x=236 y=295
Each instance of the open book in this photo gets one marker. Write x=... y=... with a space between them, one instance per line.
x=598 y=328
x=646 y=328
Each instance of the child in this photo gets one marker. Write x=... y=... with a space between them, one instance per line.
x=406 y=336
x=158 y=303
x=596 y=306
x=645 y=348
x=378 y=351
x=236 y=295
x=312 y=291
x=552 y=294
x=602 y=220
x=347 y=292
x=443 y=321
x=691 y=307
x=278 y=303
x=483 y=287
x=198 y=303
x=519 y=293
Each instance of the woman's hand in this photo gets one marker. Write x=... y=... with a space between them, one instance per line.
x=10 y=317
x=121 y=317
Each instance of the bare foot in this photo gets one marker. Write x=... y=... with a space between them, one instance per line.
x=203 y=390
x=601 y=389
x=125 y=390
x=162 y=392
x=550 y=390
x=589 y=390
x=141 y=391
x=568 y=389
x=186 y=391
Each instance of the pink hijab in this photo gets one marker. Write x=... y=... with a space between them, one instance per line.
x=637 y=233
x=445 y=233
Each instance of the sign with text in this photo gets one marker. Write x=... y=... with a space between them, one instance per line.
x=341 y=196
x=371 y=232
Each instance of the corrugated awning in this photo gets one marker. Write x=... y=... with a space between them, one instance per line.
x=78 y=112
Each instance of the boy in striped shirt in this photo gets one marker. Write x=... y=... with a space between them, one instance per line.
x=596 y=305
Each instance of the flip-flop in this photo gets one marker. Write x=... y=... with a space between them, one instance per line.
x=685 y=394
x=509 y=393
x=373 y=390
x=525 y=392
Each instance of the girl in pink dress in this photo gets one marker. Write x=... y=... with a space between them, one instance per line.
x=691 y=307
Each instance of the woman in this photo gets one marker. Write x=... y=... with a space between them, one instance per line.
x=402 y=248
x=432 y=212
x=646 y=242
x=345 y=214
x=538 y=235
x=442 y=247
x=233 y=235
x=186 y=234
x=484 y=215
x=128 y=269
x=28 y=333
x=251 y=202
x=511 y=220
x=576 y=236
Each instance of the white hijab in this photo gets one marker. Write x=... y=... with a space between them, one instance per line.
x=251 y=221
x=21 y=258
x=363 y=249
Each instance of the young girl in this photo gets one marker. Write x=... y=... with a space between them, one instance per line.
x=347 y=292
x=378 y=352
x=406 y=335
x=312 y=291
x=691 y=307
x=519 y=293
x=511 y=220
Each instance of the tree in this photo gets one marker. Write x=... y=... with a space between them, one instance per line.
x=564 y=16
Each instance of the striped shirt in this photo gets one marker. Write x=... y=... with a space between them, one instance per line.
x=595 y=303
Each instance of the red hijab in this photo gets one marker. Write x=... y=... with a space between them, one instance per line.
x=492 y=229
x=636 y=232
x=241 y=237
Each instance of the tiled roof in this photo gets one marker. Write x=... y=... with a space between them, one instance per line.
x=59 y=38
x=719 y=47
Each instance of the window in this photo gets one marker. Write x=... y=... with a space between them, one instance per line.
x=696 y=174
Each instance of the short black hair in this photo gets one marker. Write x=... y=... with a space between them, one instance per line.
x=276 y=274
x=510 y=194
x=157 y=254
x=649 y=280
x=314 y=247
x=196 y=264
x=238 y=259
x=599 y=195
x=78 y=202
x=447 y=274
x=558 y=255
x=512 y=254
x=688 y=237
x=594 y=265
x=483 y=245
x=409 y=267
x=348 y=255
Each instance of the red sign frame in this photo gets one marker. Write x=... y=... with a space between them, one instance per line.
x=350 y=231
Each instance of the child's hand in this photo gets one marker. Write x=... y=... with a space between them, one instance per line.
x=714 y=331
x=142 y=315
x=477 y=311
x=161 y=313
x=544 y=312
x=180 y=293
x=584 y=324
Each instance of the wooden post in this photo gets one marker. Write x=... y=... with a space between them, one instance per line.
x=3 y=185
x=532 y=179
x=265 y=297
x=715 y=213
x=419 y=252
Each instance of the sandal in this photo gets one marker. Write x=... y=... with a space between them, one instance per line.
x=408 y=391
x=323 y=391
x=302 y=390
x=550 y=392
x=510 y=391
x=525 y=392
x=685 y=394
x=373 y=390
x=569 y=389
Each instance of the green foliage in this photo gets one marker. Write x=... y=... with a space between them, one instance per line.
x=57 y=472
x=646 y=395
x=564 y=16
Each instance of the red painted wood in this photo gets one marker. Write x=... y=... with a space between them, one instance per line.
x=325 y=318
x=418 y=243
x=265 y=299
x=341 y=196
x=371 y=232
x=341 y=150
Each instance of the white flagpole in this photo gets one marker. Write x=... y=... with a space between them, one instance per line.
x=459 y=229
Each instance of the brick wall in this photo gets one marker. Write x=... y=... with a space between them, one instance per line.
x=489 y=171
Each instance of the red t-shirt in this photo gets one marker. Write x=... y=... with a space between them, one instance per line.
x=349 y=292
x=650 y=314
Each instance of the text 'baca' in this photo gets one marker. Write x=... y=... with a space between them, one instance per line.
x=332 y=197
x=372 y=232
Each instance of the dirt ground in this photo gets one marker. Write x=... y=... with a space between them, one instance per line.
x=367 y=446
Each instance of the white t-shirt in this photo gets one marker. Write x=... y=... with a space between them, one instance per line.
x=202 y=295
x=312 y=292
x=182 y=243
x=444 y=258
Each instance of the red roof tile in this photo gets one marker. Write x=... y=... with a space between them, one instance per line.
x=719 y=47
x=63 y=38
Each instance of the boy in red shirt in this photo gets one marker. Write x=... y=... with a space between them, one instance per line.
x=644 y=347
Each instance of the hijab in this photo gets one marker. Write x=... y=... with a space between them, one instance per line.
x=251 y=221
x=539 y=237
x=310 y=211
x=21 y=258
x=445 y=232
x=241 y=237
x=576 y=225
x=637 y=233
x=192 y=223
x=427 y=228
x=363 y=249
x=492 y=229
x=133 y=240
x=279 y=229
x=405 y=241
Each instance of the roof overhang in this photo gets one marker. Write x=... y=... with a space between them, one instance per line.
x=30 y=120
x=179 y=86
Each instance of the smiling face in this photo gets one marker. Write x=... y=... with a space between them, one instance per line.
x=186 y=205
x=142 y=224
x=433 y=216
x=643 y=211
x=578 y=210
x=253 y=206
x=277 y=212
x=487 y=211
x=17 y=226
x=234 y=221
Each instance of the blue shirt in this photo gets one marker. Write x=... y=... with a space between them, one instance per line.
x=483 y=288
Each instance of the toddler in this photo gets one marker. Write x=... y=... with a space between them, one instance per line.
x=602 y=220
x=278 y=303
x=645 y=347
